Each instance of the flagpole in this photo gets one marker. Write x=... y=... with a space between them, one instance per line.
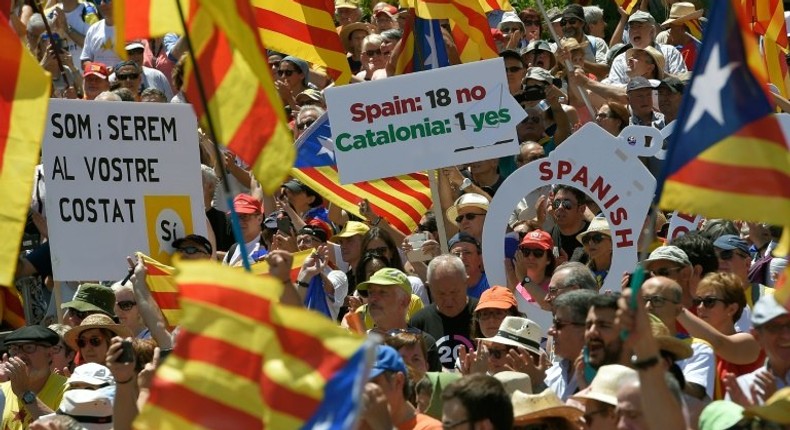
x=438 y=214
x=61 y=68
x=568 y=64
x=234 y=217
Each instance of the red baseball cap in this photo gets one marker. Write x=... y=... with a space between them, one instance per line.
x=385 y=8
x=496 y=297
x=537 y=239
x=95 y=69
x=247 y=204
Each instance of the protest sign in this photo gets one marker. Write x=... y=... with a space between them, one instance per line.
x=680 y=224
x=436 y=118
x=120 y=178
x=607 y=169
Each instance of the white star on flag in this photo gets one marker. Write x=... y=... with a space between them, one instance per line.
x=707 y=89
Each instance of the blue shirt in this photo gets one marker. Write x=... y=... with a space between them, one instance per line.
x=478 y=289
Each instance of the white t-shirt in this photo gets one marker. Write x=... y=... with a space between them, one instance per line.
x=99 y=45
x=673 y=63
x=700 y=368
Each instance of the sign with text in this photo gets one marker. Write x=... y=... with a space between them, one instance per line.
x=120 y=178
x=437 y=118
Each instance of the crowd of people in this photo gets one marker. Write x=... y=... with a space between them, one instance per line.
x=699 y=343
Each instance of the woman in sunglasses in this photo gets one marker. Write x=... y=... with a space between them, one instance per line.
x=532 y=269
x=597 y=242
x=720 y=301
x=373 y=58
x=127 y=312
x=91 y=339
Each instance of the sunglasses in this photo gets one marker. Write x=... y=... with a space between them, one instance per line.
x=94 y=341
x=513 y=69
x=285 y=72
x=565 y=203
x=571 y=21
x=126 y=305
x=126 y=76
x=499 y=353
x=728 y=254
x=491 y=313
x=422 y=228
x=531 y=119
x=657 y=301
x=79 y=314
x=189 y=250
x=594 y=237
x=535 y=23
x=708 y=302
x=538 y=253
x=305 y=125
x=468 y=217
x=507 y=30
x=372 y=53
x=665 y=271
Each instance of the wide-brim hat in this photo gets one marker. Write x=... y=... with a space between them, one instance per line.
x=531 y=407
x=519 y=332
x=679 y=348
x=468 y=200
x=514 y=381
x=607 y=381
x=346 y=30
x=95 y=321
x=92 y=298
x=92 y=409
x=682 y=12
x=598 y=225
x=655 y=54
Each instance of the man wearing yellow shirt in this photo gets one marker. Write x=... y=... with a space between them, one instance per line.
x=29 y=388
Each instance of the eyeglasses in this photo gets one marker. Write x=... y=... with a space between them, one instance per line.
x=285 y=72
x=559 y=325
x=535 y=23
x=27 y=348
x=709 y=302
x=381 y=250
x=491 y=313
x=373 y=52
x=468 y=217
x=775 y=328
x=499 y=353
x=189 y=250
x=461 y=253
x=126 y=76
x=447 y=426
x=126 y=305
x=727 y=255
x=507 y=30
x=58 y=348
x=594 y=237
x=554 y=290
x=565 y=203
x=571 y=21
x=77 y=313
x=95 y=342
x=305 y=125
x=665 y=271
x=538 y=253
x=513 y=69
x=658 y=301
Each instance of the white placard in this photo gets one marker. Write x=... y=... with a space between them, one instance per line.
x=427 y=120
x=120 y=177
x=681 y=224
x=607 y=169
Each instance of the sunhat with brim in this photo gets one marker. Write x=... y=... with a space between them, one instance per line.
x=598 y=225
x=680 y=13
x=468 y=200
x=346 y=30
x=666 y=342
x=571 y=44
x=776 y=409
x=92 y=298
x=655 y=54
x=607 y=381
x=531 y=407
x=515 y=381
x=92 y=409
x=519 y=332
x=95 y=321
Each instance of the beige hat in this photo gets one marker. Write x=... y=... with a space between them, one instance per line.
x=571 y=44
x=515 y=381
x=666 y=342
x=598 y=224
x=531 y=407
x=607 y=381
x=518 y=332
x=95 y=321
x=345 y=32
x=654 y=53
x=680 y=13
x=465 y=201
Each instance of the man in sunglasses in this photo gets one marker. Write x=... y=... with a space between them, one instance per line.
x=128 y=74
x=30 y=388
x=193 y=247
x=567 y=332
x=734 y=257
x=468 y=214
x=673 y=263
x=574 y=25
x=568 y=207
x=151 y=78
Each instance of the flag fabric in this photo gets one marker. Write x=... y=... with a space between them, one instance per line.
x=246 y=110
x=143 y=19
x=694 y=27
x=627 y=5
x=423 y=47
x=776 y=64
x=724 y=162
x=782 y=292
x=489 y=5
x=767 y=18
x=401 y=200
x=13 y=312
x=468 y=15
x=262 y=267
x=161 y=282
x=24 y=98
x=244 y=361
x=304 y=29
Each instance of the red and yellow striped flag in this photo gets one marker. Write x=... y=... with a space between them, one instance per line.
x=768 y=19
x=247 y=113
x=143 y=19
x=262 y=267
x=776 y=65
x=489 y=5
x=24 y=97
x=162 y=284
x=304 y=29
x=469 y=15
x=468 y=50
x=627 y=5
x=13 y=313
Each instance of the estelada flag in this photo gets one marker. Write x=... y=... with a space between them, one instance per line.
x=24 y=98
x=729 y=156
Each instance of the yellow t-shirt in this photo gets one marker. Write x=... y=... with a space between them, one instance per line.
x=16 y=417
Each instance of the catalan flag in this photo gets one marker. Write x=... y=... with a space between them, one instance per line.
x=776 y=65
x=13 y=312
x=244 y=361
x=401 y=200
x=694 y=27
x=262 y=267
x=423 y=47
x=24 y=97
x=304 y=29
x=724 y=162
x=627 y=5
x=767 y=18
x=489 y=5
x=247 y=113
x=161 y=282
x=143 y=19
x=469 y=15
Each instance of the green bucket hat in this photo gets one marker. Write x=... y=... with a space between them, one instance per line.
x=92 y=298
x=387 y=276
x=720 y=415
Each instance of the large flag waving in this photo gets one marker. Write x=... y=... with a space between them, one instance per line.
x=401 y=200
x=423 y=47
x=24 y=97
x=469 y=15
x=141 y=19
x=728 y=157
x=304 y=29
x=767 y=18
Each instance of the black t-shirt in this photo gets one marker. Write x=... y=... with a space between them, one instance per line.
x=221 y=226
x=569 y=244
x=450 y=333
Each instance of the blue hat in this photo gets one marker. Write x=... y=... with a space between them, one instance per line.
x=463 y=237
x=387 y=360
x=731 y=241
x=302 y=65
